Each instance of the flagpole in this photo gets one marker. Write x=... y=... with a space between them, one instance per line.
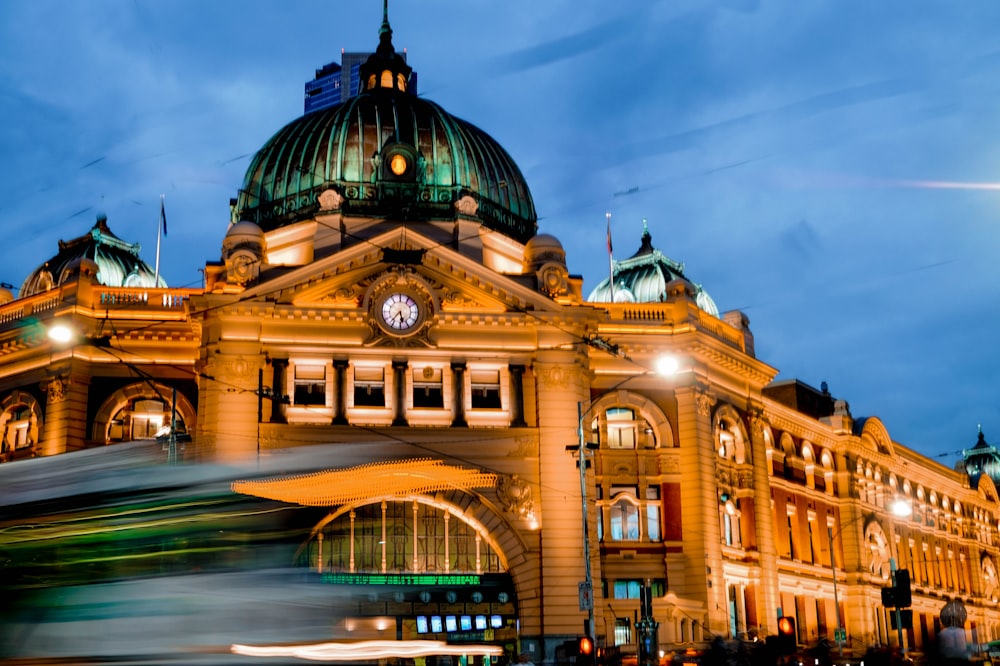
x=611 y=261
x=159 y=231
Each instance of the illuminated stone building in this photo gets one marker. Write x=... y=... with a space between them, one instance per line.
x=383 y=297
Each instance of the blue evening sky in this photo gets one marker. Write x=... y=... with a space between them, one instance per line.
x=830 y=167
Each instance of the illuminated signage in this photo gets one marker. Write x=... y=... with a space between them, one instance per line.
x=421 y=624
x=450 y=624
x=421 y=580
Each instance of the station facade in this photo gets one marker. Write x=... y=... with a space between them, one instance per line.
x=384 y=298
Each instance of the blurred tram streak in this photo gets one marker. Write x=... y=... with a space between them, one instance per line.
x=109 y=552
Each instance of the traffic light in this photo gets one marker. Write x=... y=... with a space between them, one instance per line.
x=901 y=594
x=586 y=651
x=787 y=639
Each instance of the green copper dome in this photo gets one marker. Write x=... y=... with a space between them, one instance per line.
x=387 y=153
x=643 y=278
x=118 y=262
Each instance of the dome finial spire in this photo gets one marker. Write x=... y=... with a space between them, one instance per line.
x=385 y=18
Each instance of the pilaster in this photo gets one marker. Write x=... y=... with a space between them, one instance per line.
x=767 y=549
x=703 y=578
x=560 y=390
x=65 y=414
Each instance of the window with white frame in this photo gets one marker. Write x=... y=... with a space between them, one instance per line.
x=309 y=385
x=427 y=388
x=369 y=387
x=621 y=428
x=623 y=514
x=653 y=513
x=485 y=389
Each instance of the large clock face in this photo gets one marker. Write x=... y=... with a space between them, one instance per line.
x=400 y=312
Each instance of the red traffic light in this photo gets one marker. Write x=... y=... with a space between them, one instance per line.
x=585 y=646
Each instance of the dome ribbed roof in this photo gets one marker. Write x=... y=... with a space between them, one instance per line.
x=643 y=278
x=353 y=149
x=982 y=459
x=118 y=262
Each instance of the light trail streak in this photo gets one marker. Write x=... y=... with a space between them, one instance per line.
x=365 y=650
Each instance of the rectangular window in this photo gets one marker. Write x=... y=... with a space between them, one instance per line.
x=485 y=389
x=369 y=387
x=427 y=388
x=653 y=513
x=791 y=538
x=623 y=631
x=621 y=428
x=310 y=385
x=627 y=589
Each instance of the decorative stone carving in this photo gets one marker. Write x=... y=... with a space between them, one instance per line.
x=515 y=495
x=458 y=298
x=350 y=294
x=527 y=447
x=330 y=200
x=467 y=206
x=553 y=376
x=704 y=402
x=757 y=422
x=553 y=279
x=234 y=368
x=56 y=389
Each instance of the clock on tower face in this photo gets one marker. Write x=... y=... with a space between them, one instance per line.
x=400 y=312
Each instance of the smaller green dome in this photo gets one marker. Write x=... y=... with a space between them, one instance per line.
x=643 y=278
x=118 y=262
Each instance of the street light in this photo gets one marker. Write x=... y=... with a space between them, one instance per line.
x=900 y=509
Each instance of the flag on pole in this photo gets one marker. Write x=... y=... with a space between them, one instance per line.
x=608 y=215
x=163 y=216
x=611 y=262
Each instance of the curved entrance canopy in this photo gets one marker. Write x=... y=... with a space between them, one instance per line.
x=367 y=482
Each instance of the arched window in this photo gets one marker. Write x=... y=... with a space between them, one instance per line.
x=624 y=514
x=623 y=429
x=397 y=536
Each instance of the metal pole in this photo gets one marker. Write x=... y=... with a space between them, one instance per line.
x=836 y=601
x=589 y=579
x=899 y=614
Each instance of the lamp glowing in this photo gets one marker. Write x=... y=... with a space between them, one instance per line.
x=667 y=365
x=901 y=508
x=60 y=333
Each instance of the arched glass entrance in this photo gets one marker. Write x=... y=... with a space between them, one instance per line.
x=400 y=536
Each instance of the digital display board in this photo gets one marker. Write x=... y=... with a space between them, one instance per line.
x=496 y=621
x=450 y=623
x=421 y=580
x=480 y=622
x=421 y=624
x=436 y=624
x=465 y=622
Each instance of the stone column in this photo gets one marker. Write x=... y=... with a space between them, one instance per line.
x=458 y=375
x=561 y=388
x=65 y=414
x=517 y=396
x=767 y=599
x=231 y=401
x=702 y=579
x=399 y=389
x=339 y=392
x=279 y=369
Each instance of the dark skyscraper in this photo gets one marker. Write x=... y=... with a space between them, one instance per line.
x=335 y=83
